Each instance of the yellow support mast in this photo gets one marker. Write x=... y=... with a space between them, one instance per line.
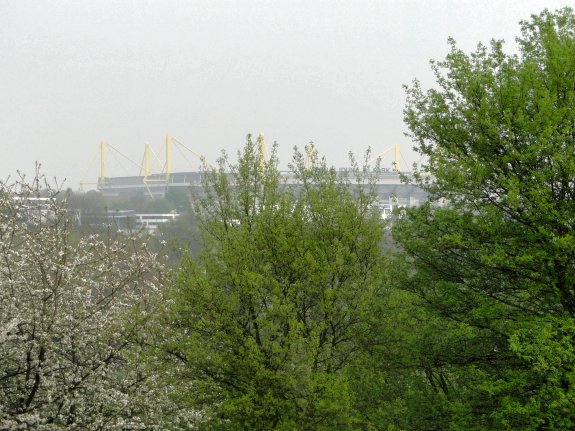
x=168 y=158
x=309 y=155
x=263 y=151
x=396 y=164
x=103 y=164
x=146 y=161
x=397 y=157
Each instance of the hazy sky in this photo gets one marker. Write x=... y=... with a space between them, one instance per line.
x=75 y=72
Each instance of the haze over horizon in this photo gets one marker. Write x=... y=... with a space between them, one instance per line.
x=75 y=72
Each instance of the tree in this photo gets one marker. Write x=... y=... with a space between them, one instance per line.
x=180 y=199
x=493 y=250
x=69 y=311
x=267 y=322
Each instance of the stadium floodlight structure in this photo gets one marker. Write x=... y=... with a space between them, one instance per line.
x=396 y=159
x=153 y=174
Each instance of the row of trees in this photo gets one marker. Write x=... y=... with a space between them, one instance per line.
x=297 y=314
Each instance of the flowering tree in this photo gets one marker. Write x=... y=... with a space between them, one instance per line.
x=69 y=311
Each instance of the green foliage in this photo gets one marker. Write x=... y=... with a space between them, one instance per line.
x=493 y=251
x=270 y=320
x=179 y=198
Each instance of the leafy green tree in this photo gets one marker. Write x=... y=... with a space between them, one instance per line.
x=493 y=250
x=268 y=322
x=179 y=199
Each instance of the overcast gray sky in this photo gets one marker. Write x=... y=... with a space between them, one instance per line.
x=75 y=72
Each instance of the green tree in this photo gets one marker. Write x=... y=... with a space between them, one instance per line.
x=493 y=250
x=179 y=199
x=268 y=321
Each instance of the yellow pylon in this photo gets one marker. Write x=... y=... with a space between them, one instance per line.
x=263 y=151
x=168 y=157
x=103 y=165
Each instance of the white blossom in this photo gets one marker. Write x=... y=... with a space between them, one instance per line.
x=70 y=309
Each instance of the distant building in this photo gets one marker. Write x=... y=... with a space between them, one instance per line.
x=389 y=186
x=34 y=210
x=129 y=220
x=151 y=222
